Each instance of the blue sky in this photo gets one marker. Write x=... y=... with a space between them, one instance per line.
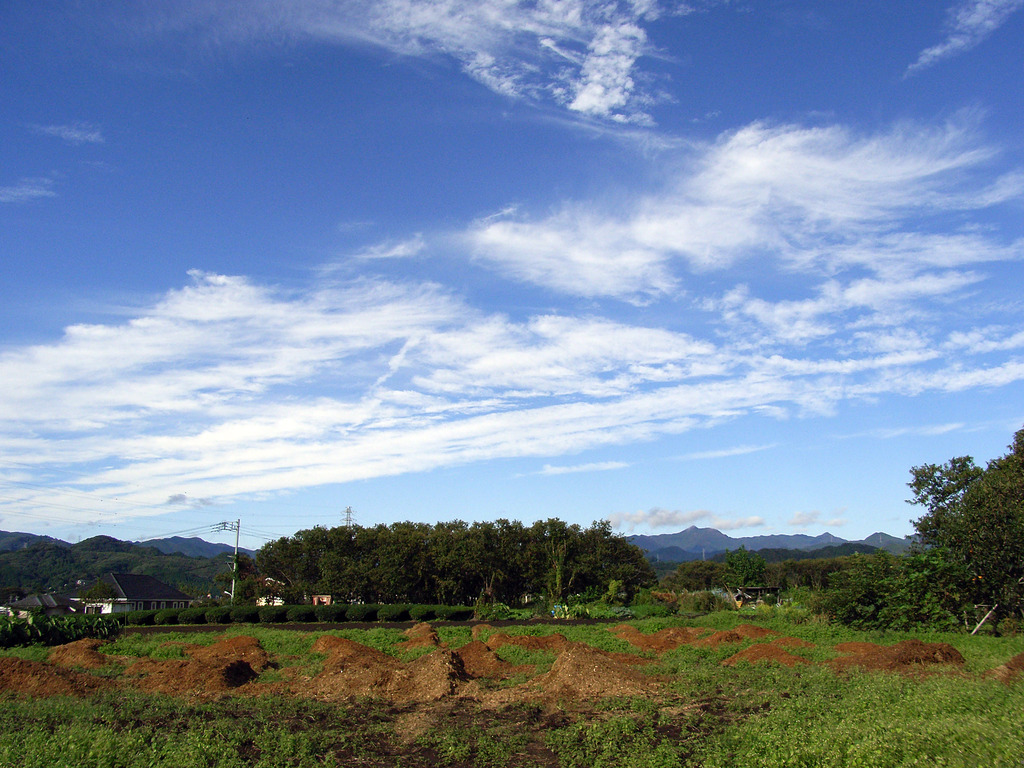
x=729 y=264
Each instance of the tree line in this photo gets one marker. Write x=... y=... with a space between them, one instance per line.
x=453 y=563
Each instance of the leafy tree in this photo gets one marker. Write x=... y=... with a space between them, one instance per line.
x=976 y=517
x=696 y=575
x=747 y=568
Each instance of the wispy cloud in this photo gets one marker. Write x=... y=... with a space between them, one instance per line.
x=672 y=518
x=26 y=190
x=969 y=24
x=815 y=200
x=74 y=133
x=807 y=519
x=393 y=250
x=580 y=54
x=739 y=450
x=602 y=466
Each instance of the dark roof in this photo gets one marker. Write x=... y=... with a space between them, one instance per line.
x=42 y=601
x=134 y=586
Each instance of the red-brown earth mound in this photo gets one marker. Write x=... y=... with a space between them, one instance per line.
x=1008 y=672
x=81 y=654
x=34 y=678
x=905 y=656
x=480 y=661
x=667 y=639
x=760 y=653
x=554 y=642
x=420 y=635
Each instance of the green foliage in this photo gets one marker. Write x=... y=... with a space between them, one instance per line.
x=331 y=613
x=882 y=591
x=398 y=612
x=273 y=614
x=40 y=629
x=141 y=618
x=627 y=741
x=976 y=517
x=362 y=612
x=195 y=615
x=705 y=601
x=303 y=614
x=245 y=614
x=220 y=614
x=745 y=568
x=167 y=616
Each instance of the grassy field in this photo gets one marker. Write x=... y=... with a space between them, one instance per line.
x=696 y=713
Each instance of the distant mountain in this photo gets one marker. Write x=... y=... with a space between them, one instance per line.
x=11 y=541
x=192 y=547
x=704 y=543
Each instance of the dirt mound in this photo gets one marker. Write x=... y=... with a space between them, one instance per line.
x=580 y=674
x=764 y=653
x=81 y=654
x=905 y=656
x=189 y=677
x=241 y=648
x=754 y=632
x=725 y=637
x=420 y=635
x=667 y=639
x=555 y=642
x=791 y=642
x=480 y=661
x=1008 y=672
x=479 y=629
x=428 y=678
x=34 y=678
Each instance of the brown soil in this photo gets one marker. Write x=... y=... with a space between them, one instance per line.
x=905 y=656
x=421 y=635
x=211 y=670
x=480 y=661
x=1010 y=671
x=241 y=648
x=725 y=637
x=667 y=639
x=579 y=674
x=554 y=642
x=761 y=653
x=791 y=642
x=34 y=678
x=479 y=629
x=353 y=674
x=81 y=654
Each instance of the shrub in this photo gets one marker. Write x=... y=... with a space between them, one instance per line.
x=301 y=613
x=192 y=616
x=167 y=616
x=397 y=612
x=426 y=612
x=651 y=610
x=273 y=614
x=221 y=614
x=330 y=613
x=706 y=601
x=140 y=618
x=362 y=612
x=245 y=614
x=458 y=612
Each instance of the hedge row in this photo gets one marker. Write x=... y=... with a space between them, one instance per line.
x=304 y=614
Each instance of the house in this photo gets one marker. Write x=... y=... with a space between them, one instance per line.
x=51 y=605
x=133 y=592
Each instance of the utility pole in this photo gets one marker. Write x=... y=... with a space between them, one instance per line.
x=236 y=526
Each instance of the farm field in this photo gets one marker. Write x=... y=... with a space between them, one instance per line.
x=727 y=689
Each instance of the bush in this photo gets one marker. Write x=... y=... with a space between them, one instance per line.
x=220 y=614
x=651 y=610
x=167 y=616
x=192 y=616
x=1009 y=627
x=140 y=618
x=273 y=614
x=426 y=612
x=706 y=601
x=459 y=612
x=362 y=612
x=330 y=613
x=245 y=614
x=397 y=612
x=302 y=614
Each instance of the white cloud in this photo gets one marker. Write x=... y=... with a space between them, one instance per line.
x=393 y=250
x=601 y=466
x=969 y=24
x=27 y=189
x=813 y=200
x=673 y=518
x=75 y=133
x=724 y=453
x=580 y=54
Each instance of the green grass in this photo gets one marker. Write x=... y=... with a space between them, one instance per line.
x=705 y=714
